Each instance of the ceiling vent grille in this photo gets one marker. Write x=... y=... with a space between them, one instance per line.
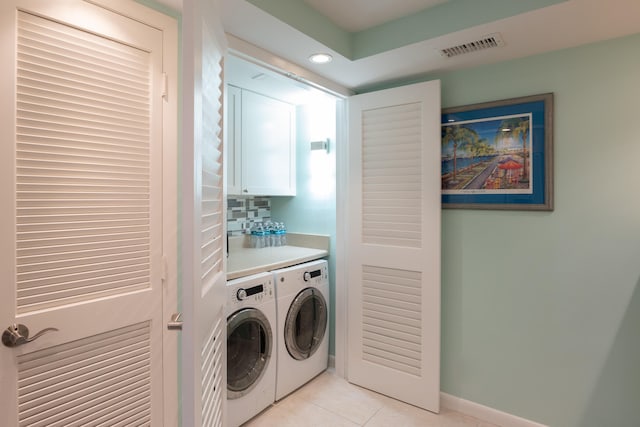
x=487 y=42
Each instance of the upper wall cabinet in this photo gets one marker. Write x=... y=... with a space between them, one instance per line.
x=261 y=145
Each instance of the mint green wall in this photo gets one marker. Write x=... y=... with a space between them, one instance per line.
x=541 y=311
x=313 y=209
x=444 y=18
x=161 y=8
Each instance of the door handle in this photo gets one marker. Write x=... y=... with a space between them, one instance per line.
x=18 y=334
x=175 y=322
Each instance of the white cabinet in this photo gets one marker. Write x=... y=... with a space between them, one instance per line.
x=261 y=152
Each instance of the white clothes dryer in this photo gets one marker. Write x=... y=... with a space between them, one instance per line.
x=302 y=293
x=251 y=347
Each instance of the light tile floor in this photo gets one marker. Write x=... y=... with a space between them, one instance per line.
x=330 y=401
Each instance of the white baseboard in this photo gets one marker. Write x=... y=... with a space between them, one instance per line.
x=484 y=413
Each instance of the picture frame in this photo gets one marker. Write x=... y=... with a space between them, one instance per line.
x=498 y=155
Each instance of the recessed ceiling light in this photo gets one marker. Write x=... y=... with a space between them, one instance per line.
x=320 y=58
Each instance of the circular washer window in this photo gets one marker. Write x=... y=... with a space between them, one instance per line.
x=249 y=339
x=306 y=323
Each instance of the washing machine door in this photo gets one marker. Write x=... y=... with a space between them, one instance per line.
x=249 y=346
x=305 y=324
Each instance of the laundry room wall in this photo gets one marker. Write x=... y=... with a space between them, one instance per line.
x=540 y=310
x=313 y=209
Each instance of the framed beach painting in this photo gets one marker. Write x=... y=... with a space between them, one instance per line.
x=499 y=155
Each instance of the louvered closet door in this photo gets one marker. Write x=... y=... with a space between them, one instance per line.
x=203 y=250
x=80 y=215
x=394 y=243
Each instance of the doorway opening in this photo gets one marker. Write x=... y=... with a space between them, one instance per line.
x=311 y=207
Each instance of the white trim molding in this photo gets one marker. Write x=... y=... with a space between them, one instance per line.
x=484 y=413
x=332 y=362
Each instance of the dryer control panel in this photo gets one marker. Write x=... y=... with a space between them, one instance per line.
x=311 y=274
x=315 y=275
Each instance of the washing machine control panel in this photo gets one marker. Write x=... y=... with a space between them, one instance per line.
x=254 y=292
x=242 y=293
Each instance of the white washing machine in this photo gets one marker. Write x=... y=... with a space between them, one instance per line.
x=302 y=293
x=251 y=346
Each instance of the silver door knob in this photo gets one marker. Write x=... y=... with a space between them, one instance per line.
x=18 y=334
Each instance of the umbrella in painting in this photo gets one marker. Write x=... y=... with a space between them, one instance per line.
x=509 y=165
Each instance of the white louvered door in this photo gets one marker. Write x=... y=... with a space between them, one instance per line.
x=203 y=248
x=394 y=243
x=81 y=215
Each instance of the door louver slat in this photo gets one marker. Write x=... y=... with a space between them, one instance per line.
x=212 y=384
x=391 y=172
x=391 y=318
x=98 y=380
x=83 y=180
x=212 y=191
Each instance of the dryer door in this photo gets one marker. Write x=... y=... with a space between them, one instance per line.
x=306 y=324
x=249 y=345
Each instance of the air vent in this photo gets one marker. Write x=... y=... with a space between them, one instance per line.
x=486 y=42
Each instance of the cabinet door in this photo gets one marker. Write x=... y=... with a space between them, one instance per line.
x=233 y=164
x=268 y=146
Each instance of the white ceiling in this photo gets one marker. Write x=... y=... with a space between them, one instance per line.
x=567 y=24
x=358 y=15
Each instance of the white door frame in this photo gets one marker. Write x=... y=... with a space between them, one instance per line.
x=342 y=233
x=266 y=59
x=169 y=28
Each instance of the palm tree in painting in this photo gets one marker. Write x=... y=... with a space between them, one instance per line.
x=480 y=147
x=521 y=132
x=461 y=137
x=518 y=128
x=486 y=149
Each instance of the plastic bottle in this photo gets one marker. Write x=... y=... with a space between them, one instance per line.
x=269 y=231
x=260 y=240
x=254 y=237
x=277 y=234
x=283 y=234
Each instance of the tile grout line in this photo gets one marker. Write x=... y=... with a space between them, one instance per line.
x=372 y=416
x=333 y=413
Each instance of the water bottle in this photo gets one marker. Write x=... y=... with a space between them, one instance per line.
x=259 y=236
x=283 y=234
x=276 y=234
x=254 y=237
x=269 y=232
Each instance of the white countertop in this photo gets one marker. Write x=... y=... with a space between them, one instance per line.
x=244 y=261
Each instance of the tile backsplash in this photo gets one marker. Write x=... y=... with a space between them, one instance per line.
x=244 y=211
